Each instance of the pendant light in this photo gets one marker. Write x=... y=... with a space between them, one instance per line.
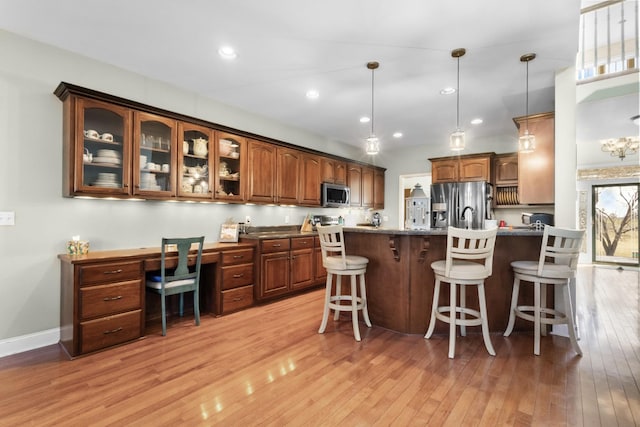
x=373 y=143
x=456 y=140
x=527 y=142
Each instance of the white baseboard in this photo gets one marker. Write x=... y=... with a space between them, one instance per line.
x=29 y=342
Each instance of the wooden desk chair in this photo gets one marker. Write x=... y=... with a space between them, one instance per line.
x=556 y=266
x=469 y=261
x=179 y=280
x=338 y=263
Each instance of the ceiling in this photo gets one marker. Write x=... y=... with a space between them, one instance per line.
x=286 y=47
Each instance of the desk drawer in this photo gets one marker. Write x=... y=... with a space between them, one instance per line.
x=235 y=299
x=108 y=331
x=275 y=245
x=110 y=272
x=237 y=275
x=241 y=256
x=101 y=300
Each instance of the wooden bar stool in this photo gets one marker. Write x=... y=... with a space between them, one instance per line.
x=469 y=261
x=556 y=266
x=338 y=263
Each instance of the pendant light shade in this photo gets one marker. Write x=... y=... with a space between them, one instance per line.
x=456 y=139
x=372 y=142
x=527 y=142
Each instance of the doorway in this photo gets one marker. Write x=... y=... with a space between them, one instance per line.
x=615 y=224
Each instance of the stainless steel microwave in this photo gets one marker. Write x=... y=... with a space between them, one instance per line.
x=335 y=195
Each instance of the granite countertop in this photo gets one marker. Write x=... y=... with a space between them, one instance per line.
x=280 y=232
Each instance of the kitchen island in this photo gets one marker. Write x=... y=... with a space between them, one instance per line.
x=400 y=280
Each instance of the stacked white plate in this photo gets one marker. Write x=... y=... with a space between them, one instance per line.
x=106 y=180
x=148 y=182
x=109 y=157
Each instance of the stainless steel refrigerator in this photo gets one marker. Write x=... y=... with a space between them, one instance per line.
x=461 y=204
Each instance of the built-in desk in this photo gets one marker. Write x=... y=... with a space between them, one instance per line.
x=103 y=300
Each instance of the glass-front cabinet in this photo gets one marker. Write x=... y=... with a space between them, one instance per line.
x=230 y=167
x=195 y=151
x=154 y=139
x=102 y=145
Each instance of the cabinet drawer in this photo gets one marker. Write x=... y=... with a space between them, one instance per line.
x=101 y=300
x=235 y=299
x=301 y=242
x=237 y=275
x=113 y=272
x=237 y=257
x=275 y=245
x=108 y=331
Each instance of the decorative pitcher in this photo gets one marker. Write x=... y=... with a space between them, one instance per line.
x=200 y=147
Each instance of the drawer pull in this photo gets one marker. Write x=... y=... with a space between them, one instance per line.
x=237 y=276
x=113 y=331
x=113 y=271
x=112 y=298
x=238 y=256
x=237 y=299
x=276 y=245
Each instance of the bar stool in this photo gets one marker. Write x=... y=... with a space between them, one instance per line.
x=338 y=263
x=469 y=261
x=556 y=266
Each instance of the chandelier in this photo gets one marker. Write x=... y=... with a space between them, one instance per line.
x=620 y=146
x=527 y=142
x=373 y=143
x=456 y=139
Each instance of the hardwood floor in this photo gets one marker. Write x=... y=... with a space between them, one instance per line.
x=269 y=366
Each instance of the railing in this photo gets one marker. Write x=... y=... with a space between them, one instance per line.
x=608 y=39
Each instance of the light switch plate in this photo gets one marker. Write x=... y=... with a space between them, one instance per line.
x=7 y=218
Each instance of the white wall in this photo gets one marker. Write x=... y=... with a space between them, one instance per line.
x=31 y=178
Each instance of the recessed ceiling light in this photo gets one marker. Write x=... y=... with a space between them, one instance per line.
x=227 y=52
x=397 y=134
x=365 y=119
x=476 y=121
x=312 y=94
x=448 y=91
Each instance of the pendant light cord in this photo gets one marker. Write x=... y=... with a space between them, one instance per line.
x=372 y=76
x=458 y=98
x=526 y=108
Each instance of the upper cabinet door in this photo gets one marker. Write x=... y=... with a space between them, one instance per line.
x=354 y=181
x=231 y=167
x=262 y=172
x=288 y=176
x=475 y=169
x=195 y=152
x=378 y=189
x=101 y=155
x=366 y=187
x=154 y=139
x=310 y=187
x=536 y=170
x=444 y=171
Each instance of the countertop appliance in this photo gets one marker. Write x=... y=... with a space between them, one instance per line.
x=461 y=204
x=334 y=195
x=532 y=218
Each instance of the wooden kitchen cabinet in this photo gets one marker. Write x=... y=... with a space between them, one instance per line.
x=95 y=165
x=473 y=167
x=354 y=181
x=378 y=189
x=230 y=173
x=366 y=187
x=154 y=140
x=536 y=170
x=505 y=167
x=262 y=172
x=311 y=180
x=236 y=281
x=319 y=272
x=333 y=171
x=287 y=265
x=195 y=165
x=288 y=175
x=101 y=305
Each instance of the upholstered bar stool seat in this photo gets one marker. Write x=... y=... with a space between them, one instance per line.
x=556 y=266
x=469 y=261
x=338 y=263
